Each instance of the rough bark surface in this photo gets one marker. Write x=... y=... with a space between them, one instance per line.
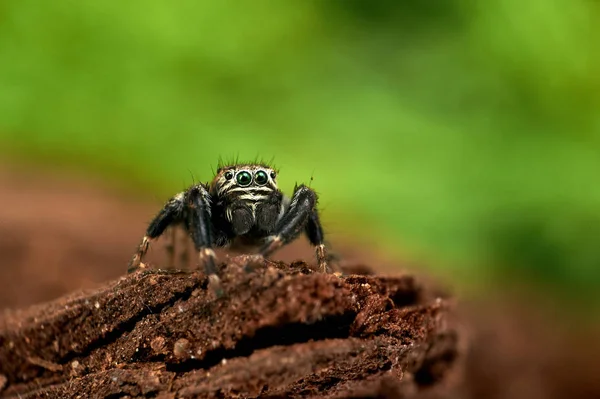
x=278 y=330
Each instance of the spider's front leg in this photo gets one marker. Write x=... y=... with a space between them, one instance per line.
x=314 y=231
x=169 y=215
x=201 y=229
x=301 y=215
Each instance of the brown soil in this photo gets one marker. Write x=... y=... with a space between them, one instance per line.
x=280 y=330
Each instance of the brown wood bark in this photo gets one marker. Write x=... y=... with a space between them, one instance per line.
x=277 y=331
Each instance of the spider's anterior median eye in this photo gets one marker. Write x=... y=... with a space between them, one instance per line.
x=261 y=177
x=228 y=175
x=244 y=178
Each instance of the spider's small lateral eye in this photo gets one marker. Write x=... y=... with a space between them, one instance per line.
x=244 y=178
x=273 y=174
x=261 y=177
x=228 y=175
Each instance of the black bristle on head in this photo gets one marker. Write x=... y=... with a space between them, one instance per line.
x=235 y=161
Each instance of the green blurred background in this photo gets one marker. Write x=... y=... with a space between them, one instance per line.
x=464 y=133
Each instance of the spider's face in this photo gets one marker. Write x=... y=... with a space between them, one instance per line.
x=245 y=181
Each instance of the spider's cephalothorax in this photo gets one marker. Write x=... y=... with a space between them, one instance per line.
x=242 y=202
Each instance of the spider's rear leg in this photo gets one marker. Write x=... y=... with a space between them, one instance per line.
x=177 y=240
x=171 y=246
x=301 y=215
x=184 y=256
x=169 y=215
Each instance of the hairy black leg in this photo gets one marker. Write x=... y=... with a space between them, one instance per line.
x=314 y=231
x=201 y=229
x=294 y=220
x=170 y=214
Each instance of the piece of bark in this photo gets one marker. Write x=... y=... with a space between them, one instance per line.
x=278 y=331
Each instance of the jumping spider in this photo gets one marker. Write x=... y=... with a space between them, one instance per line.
x=241 y=203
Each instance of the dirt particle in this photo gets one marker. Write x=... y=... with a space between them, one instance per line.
x=181 y=349
x=76 y=368
x=158 y=345
x=97 y=305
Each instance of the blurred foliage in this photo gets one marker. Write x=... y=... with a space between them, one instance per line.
x=467 y=131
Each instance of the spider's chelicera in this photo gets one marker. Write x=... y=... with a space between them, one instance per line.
x=241 y=202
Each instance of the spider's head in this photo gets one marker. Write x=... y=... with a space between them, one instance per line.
x=240 y=179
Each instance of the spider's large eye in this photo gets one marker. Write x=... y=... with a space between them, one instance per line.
x=244 y=178
x=228 y=175
x=261 y=177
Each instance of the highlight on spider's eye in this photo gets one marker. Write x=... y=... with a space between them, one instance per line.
x=261 y=177
x=229 y=175
x=244 y=178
